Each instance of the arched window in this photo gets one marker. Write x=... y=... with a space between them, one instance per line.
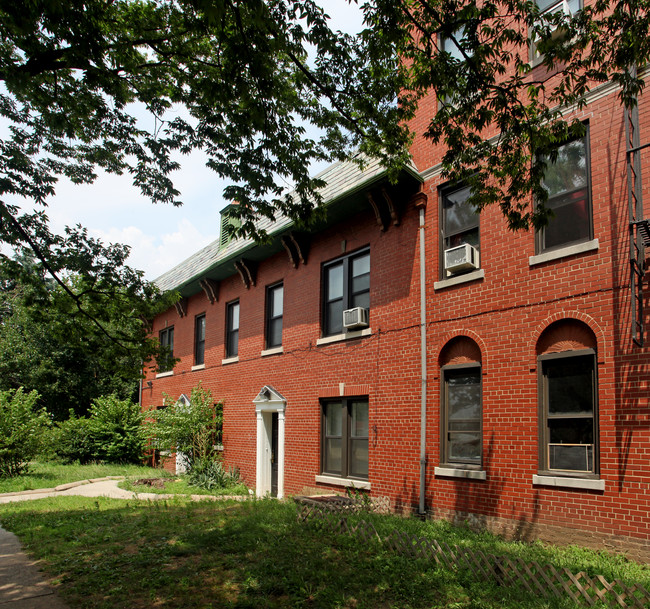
x=461 y=403
x=568 y=399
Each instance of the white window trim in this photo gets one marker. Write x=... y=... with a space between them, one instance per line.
x=347 y=482
x=344 y=336
x=456 y=472
x=459 y=279
x=230 y=360
x=563 y=252
x=162 y=375
x=274 y=351
x=588 y=484
x=198 y=367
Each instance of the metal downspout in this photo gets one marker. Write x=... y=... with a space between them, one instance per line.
x=423 y=368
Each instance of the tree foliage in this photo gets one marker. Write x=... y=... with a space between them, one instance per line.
x=22 y=426
x=250 y=75
x=71 y=358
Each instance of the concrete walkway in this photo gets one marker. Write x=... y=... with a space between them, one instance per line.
x=22 y=585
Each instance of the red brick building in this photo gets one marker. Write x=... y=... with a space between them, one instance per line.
x=483 y=376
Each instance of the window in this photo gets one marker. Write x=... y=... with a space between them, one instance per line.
x=568 y=413
x=567 y=182
x=274 y=309
x=462 y=415
x=232 y=329
x=458 y=83
x=166 y=338
x=460 y=226
x=551 y=10
x=345 y=438
x=199 y=339
x=346 y=286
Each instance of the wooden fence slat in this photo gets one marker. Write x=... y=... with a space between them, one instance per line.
x=576 y=582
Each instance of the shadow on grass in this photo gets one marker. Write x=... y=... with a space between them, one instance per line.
x=113 y=554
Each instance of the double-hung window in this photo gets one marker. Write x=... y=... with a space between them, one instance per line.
x=549 y=12
x=567 y=183
x=346 y=285
x=199 y=339
x=460 y=232
x=274 y=311
x=462 y=415
x=569 y=430
x=345 y=438
x=232 y=329
x=166 y=338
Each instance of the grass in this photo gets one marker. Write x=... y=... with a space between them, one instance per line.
x=180 y=486
x=105 y=554
x=51 y=474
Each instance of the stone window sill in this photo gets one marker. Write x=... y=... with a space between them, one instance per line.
x=456 y=472
x=162 y=375
x=571 y=250
x=230 y=360
x=198 y=367
x=459 y=279
x=274 y=351
x=587 y=484
x=344 y=336
x=347 y=482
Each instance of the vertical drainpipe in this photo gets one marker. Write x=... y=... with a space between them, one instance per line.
x=423 y=360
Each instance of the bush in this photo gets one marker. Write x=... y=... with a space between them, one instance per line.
x=191 y=429
x=73 y=440
x=22 y=427
x=209 y=473
x=116 y=430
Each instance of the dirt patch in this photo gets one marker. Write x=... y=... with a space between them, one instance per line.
x=152 y=482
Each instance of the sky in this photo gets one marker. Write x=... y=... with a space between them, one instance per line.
x=160 y=236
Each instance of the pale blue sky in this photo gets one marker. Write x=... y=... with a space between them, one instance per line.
x=160 y=236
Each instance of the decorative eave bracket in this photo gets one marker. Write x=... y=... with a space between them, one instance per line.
x=181 y=307
x=297 y=248
x=384 y=208
x=247 y=271
x=211 y=289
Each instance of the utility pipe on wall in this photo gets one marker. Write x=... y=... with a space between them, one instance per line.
x=423 y=368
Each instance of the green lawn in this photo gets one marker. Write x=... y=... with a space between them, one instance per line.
x=49 y=475
x=105 y=554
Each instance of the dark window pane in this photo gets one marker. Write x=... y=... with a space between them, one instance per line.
x=458 y=214
x=335 y=282
x=571 y=431
x=361 y=266
x=359 y=426
x=334 y=419
x=464 y=446
x=470 y=237
x=333 y=455
x=570 y=222
x=359 y=458
x=570 y=386
x=361 y=300
x=275 y=332
x=233 y=343
x=335 y=317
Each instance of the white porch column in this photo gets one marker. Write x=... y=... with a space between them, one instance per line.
x=259 y=474
x=280 y=454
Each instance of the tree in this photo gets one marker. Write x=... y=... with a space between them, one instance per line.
x=250 y=74
x=47 y=345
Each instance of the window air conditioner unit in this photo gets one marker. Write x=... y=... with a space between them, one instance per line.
x=355 y=318
x=461 y=258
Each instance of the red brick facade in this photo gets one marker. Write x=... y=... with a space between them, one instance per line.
x=515 y=312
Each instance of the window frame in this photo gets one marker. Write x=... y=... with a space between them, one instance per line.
x=346 y=437
x=443 y=192
x=535 y=57
x=270 y=318
x=232 y=333
x=445 y=459
x=543 y=399
x=540 y=235
x=348 y=294
x=199 y=339
x=166 y=340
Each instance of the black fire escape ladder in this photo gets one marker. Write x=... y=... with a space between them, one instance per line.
x=638 y=226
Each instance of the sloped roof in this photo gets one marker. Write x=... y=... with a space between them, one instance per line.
x=342 y=179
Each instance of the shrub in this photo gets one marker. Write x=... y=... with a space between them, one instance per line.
x=209 y=473
x=73 y=440
x=21 y=430
x=191 y=429
x=116 y=430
